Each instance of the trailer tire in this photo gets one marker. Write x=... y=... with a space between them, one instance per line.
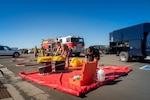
x=124 y=56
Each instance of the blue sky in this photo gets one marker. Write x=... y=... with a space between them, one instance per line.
x=24 y=23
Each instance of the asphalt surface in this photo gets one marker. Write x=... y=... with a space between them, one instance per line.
x=134 y=86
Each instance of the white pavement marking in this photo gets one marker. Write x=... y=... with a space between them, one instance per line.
x=146 y=67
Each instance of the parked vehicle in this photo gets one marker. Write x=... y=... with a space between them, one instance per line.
x=49 y=45
x=7 y=51
x=75 y=43
x=30 y=51
x=131 y=42
x=24 y=51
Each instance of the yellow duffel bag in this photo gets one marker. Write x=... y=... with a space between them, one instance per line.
x=75 y=62
x=44 y=59
x=58 y=58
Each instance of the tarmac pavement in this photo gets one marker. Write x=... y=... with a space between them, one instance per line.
x=134 y=86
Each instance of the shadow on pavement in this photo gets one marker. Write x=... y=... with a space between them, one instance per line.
x=113 y=82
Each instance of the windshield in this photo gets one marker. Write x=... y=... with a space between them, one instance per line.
x=7 y=48
x=77 y=40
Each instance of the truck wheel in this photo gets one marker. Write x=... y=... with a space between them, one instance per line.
x=16 y=54
x=124 y=56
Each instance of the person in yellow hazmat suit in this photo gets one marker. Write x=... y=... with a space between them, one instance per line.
x=35 y=51
x=42 y=51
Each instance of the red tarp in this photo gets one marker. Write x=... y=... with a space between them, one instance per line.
x=60 y=81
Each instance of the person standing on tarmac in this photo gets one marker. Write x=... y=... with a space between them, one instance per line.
x=35 y=51
x=42 y=51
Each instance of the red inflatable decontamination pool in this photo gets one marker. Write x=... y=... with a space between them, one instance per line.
x=60 y=81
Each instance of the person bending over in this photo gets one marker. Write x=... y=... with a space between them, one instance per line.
x=66 y=53
x=92 y=54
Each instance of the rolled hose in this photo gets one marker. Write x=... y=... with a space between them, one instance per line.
x=17 y=59
x=21 y=59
